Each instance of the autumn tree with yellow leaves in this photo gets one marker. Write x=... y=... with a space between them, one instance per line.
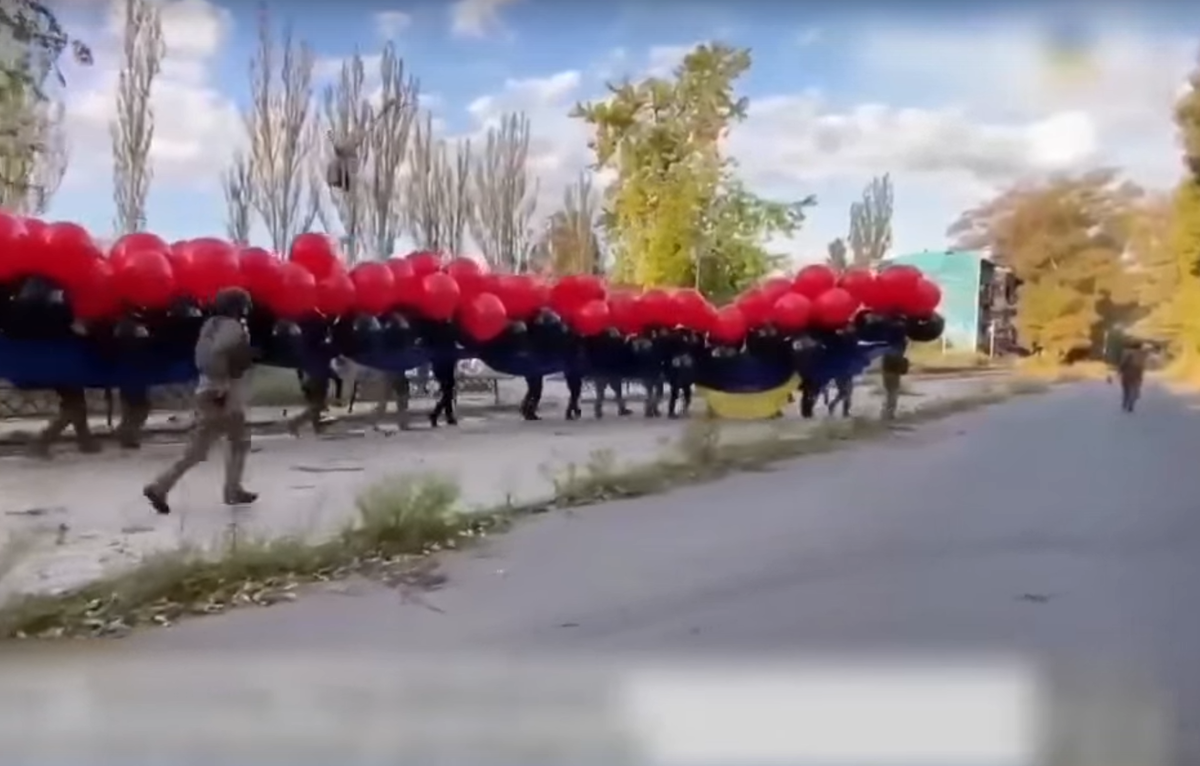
x=1182 y=269
x=677 y=215
x=1065 y=238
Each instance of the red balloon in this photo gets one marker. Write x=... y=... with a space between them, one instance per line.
x=439 y=296
x=775 y=287
x=375 y=287
x=136 y=243
x=68 y=252
x=860 y=283
x=471 y=277
x=484 y=317
x=94 y=295
x=693 y=310
x=623 y=313
x=14 y=238
x=424 y=262
x=792 y=312
x=214 y=266
x=895 y=287
x=924 y=300
x=656 y=309
x=144 y=279
x=259 y=269
x=730 y=327
x=813 y=280
x=834 y=308
x=182 y=264
x=755 y=306
x=296 y=296
x=315 y=252
x=570 y=292
x=336 y=296
x=519 y=294
x=405 y=284
x=592 y=318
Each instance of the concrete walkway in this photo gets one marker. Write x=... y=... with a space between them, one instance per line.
x=86 y=515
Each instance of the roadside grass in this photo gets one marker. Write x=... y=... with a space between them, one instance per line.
x=402 y=520
x=1037 y=370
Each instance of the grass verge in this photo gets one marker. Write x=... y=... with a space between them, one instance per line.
x=401 y=521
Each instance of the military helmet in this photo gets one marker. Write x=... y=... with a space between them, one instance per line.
x=232 y=302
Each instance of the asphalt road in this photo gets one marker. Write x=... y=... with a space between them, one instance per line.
x=1054 y=526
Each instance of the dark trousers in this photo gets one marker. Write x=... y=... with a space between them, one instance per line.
x=533 y=396
x=679 y=390
x=808 y=399
x=447 y=386
x=574 y=391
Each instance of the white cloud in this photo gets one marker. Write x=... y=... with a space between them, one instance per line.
x=476 y=18
x=391 y=23
x=196 y=124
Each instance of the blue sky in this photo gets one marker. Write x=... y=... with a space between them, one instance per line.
x=954 y=103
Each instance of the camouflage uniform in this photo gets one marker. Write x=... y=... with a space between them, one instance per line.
x=397 y=387
x=316 y=400
x=616 y=385
x=72 y=412
x=895 y=367
x=844 y=387
x=223 y=356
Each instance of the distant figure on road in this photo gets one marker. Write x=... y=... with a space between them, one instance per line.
x=223 y=357
x=895 y=367
x=1132 y=369
x=72 y=413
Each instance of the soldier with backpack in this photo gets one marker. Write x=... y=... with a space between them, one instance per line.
x=223 y=357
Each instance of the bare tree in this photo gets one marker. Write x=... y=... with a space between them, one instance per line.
x=456 y=204
x=570 y=243
x=348 y=118
x=133 y=129
x=423 y=210
x=836 y=255
x=33 y=150
x=871 y=223
x=238 y=184
x=282 y=127
x=504 y=197
x=387 y=149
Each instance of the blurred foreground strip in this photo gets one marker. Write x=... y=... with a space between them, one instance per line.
x=298 y=710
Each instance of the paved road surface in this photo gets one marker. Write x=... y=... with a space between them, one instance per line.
x=1054 y=526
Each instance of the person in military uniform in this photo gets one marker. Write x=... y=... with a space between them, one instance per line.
x=895 y=367
x=397 y=387
x=314 y=384
x=223 y=357
x=1132 y=370
x=616 y=385
x=72 y=413
x=135 y=410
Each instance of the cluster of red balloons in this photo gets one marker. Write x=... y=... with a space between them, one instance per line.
x=821 y=298
x=142 y=272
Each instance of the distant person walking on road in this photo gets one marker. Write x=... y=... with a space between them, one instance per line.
x=895 y=367
x=223 y=357
x=1132 y=369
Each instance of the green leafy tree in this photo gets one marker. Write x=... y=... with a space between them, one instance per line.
x=1184 y=306
x=676 y=213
